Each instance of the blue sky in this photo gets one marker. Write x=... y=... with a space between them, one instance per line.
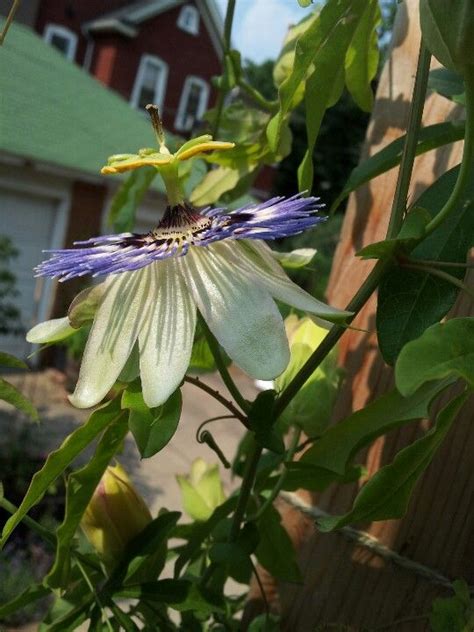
x=260 y=25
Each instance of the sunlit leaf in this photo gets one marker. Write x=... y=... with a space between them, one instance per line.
x=129 y=195
x=201 y=490
x=295 y=259
x=362 y=58
x=337 y=23
x=386 y=495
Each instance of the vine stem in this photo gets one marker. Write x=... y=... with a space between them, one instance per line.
x=195 y=381
x=335 y=333
x=466 y=172
x=229 y=19
x=246 y=489
x=411 y=142
x=9 y=20
x=221 y=367
x=295 y=439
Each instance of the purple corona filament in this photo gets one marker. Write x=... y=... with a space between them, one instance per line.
x=181 y=227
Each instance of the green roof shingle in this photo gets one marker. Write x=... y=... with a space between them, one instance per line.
x=53 y=111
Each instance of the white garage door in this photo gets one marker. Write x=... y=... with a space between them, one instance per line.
x=30 y=221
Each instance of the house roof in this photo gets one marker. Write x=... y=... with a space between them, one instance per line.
x=54 y=112
x=125 y=20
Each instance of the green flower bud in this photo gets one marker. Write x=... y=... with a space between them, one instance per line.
x=115 y=515
x=448 y=30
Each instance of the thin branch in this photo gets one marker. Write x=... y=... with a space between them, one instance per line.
x=195 y=381
x=9 y=20
x=261 y=588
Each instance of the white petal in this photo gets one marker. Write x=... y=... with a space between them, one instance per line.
x=113 y=334
x=257 y=258
x=166 y=339
x=241 y=314
x=50 y=331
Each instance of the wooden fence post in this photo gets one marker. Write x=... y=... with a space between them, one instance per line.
x=347 y=584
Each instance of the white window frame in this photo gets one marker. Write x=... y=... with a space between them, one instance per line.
x=160 y=87
x=188 y=11
x=62 y=31
x=179 y=122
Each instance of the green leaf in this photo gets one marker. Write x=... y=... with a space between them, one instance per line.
x=152 y=428
x=13 y=396
x=140 y=551
x=317 y=479
x=305 y=3
x=201 y=531
x=29 y=595
x=218 y=181
x=337 y=24
x=169 y=591
x=128 y=197
x=11 y=362
x=412 y=231
x=448 y=30
x=295 y=259
x=275 y=551
x=202 y=360
x=262 y=422
x=81 y=484
x=311 y=408
x=410 y=301
x=84 y=306
x=429 y=138
x=58 y=461
x=444 y=350
x=362 y=58
x=339 y=444
x=387 y=493
x=454 y=613
x=202 y=490
x=449 y=84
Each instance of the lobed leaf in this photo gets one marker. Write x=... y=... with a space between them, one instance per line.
x=444 y=350
x=387 y=493
x=429 y=138
x=339 y=444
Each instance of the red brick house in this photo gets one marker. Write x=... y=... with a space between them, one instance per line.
x=162 y=51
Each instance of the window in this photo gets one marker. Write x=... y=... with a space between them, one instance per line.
x=188 y=19
x=192 y=104
x=61 y=38
x=150 y=84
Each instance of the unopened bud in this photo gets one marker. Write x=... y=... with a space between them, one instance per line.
x=115 y=515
